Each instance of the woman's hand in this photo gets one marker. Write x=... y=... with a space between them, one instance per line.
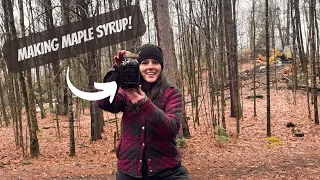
x=120 y=57
x=136 y=96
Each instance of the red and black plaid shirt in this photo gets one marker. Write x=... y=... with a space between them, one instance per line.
x=149 y=129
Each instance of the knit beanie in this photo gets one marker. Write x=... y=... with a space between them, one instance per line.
x=150 y=51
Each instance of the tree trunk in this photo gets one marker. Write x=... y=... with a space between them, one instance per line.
x=28 y=93
x=55 y=67
x=279 y=27
x=40 y=104
x=48 y=74
x=253 y=57
x=166 y=42
x=93 y=75
x=289 y=9
x=231 y=44
x=268 y=68
x=208 y=54
x=303 y=59
x=221 y=64
x=294 y=57
x=68 y=93
x=9 y=21
x=312 y=6
x=3 y=105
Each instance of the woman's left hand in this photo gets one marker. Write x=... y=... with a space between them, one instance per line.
x=136 y=96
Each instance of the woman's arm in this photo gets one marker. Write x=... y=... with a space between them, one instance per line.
x=166 y=122
x=119 y=101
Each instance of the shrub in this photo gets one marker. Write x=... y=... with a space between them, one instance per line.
x=221 y=135
x=26 y=163
x=274 y=141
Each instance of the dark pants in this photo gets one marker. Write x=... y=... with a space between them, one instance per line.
x=176 y=173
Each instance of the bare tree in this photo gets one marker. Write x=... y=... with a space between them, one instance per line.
x=253 y=55
x=166 y=42
x=231 y=47
x=312 y=6
x=268 y=68
x=26 y=90
x=232 y=59
x=93 y=73
x=65 y=20
x=55 y=67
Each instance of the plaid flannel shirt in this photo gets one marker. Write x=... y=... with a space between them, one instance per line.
x=149 y=129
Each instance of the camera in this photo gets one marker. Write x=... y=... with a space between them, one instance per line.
x=129 y=72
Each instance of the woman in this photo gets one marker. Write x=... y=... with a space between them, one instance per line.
x=150 y=121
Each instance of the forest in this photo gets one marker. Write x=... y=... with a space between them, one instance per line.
x=249 y=72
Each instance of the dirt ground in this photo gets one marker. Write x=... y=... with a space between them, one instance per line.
x=248 y=156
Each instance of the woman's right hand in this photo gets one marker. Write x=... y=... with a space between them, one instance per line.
x=119 y=58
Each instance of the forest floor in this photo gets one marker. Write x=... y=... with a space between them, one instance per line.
x=249 y=156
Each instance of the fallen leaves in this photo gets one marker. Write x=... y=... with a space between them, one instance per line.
x=248 y=156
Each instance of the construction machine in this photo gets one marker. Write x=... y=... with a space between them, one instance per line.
x=275 y=56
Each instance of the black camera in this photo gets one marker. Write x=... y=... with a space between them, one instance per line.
x=129 y=72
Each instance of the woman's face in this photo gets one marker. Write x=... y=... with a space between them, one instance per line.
x=150 y=70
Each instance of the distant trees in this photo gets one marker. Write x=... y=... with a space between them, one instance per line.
x=27 y=88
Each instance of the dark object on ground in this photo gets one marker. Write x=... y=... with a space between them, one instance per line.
x=290 y=124
x=297 y=133
x=286 y=62
x=252 y=97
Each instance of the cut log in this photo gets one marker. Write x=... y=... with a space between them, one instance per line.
x=252 y=97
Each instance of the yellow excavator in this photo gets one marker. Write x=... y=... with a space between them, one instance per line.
x=275 y=56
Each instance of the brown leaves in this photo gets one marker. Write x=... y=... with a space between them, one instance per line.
x=248 y=156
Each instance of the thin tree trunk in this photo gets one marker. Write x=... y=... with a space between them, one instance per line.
x=312 y=44
x=48 y=74
x=268 y=68
x=209 y=58
x=93 y=74
x=65 y=20
x=29 y=102
x=230 y=42
x=303 y=59
x=253 y=57
x=289 y=9
x=55 y=67
x=186 y=132
x=40 y=104
x=28 y=74
x=294 y=57
x=3 y=105
x=221 y=63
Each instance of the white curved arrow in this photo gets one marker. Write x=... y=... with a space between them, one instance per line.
x=108 y=89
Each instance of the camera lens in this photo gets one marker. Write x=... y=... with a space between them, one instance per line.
x=129 y=74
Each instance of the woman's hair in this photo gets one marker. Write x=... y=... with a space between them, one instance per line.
x=157 y=88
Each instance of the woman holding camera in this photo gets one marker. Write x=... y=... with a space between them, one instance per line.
x=151 y=119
